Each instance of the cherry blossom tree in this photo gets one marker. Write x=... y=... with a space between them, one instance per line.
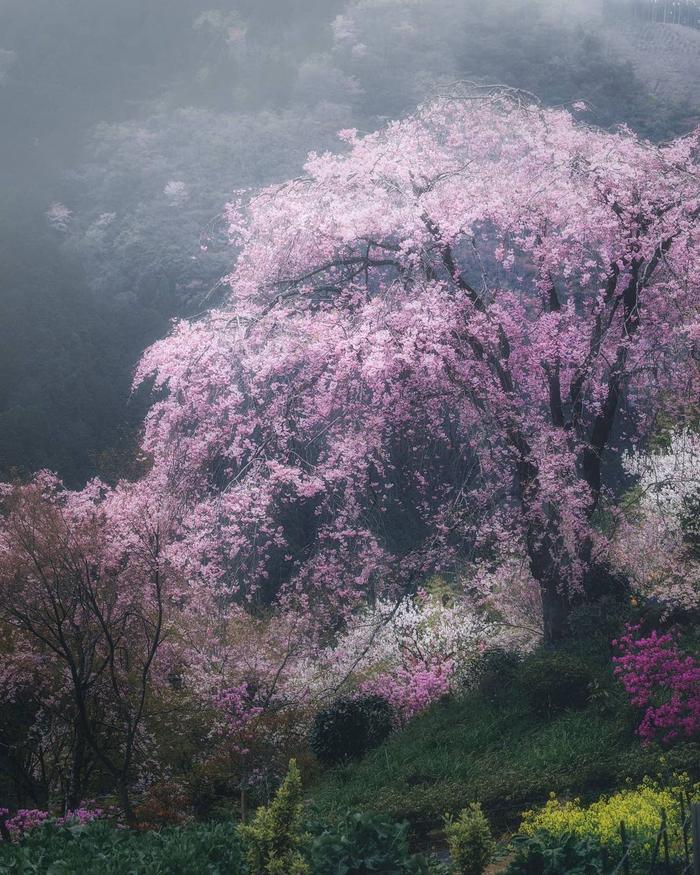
x=89 y=600
x=432 y=343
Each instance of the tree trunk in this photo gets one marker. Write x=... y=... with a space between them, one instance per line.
x=555 y=613
x=74 y=794
x=244 y=804
x=125 y=802
x=556 y=604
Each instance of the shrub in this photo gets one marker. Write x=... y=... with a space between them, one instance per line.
x=276 y=840
x=542 y=854
x=555 y=681
x=640 y=808
x=497 y=671
x=165 y=804
x=469 y=840
x=349 y=728
x=663 y=682
x=361 y=842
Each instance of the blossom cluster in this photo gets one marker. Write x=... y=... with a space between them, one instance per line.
x=663 y=682
x=415 y=651
x=651 y=539
x=413 y=688
x=25 y=820
x=238 y=710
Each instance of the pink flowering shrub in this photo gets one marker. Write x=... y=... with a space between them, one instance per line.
x=257 y=729
x=80 y=816
x=663 y=682
x=27 y=819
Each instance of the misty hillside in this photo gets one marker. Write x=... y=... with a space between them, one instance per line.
x=665 y=57
x=127 y=126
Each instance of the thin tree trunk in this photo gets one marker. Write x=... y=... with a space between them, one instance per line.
x=74 y=795
x=125 y=802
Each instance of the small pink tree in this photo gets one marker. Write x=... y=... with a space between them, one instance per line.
x=89 y=595
x=431 y=343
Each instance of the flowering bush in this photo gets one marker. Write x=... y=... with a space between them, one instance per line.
x=411 y=653
x=640 y=809
x=412 y=688
x=239 y=710
x=663 y=682
x=27 y=819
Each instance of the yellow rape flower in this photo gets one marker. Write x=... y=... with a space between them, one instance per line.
x=640 y=808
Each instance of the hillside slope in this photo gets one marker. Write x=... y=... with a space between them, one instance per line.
x=498 y=753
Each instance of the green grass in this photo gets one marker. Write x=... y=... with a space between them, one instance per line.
x=500 y=754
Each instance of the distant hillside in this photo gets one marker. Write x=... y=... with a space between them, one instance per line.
x=666 y=57
x=684 y=12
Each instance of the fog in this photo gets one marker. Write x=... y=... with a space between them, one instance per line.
x=126 y=125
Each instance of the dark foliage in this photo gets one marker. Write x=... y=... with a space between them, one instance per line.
x=555 y=681
x=100 y=849
x=595 y=624
x=497 y=671
x=349 y=728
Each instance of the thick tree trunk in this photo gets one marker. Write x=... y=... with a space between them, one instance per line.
x=556 y=603
x=555 y=613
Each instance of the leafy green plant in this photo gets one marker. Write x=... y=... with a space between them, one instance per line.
x=470 y=840
x=542 y=854
x=362 y=842
x=276 y=840
x=349 y=728
x=100 y=849
x=554 y=682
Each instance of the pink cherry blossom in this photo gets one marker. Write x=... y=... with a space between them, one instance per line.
x=444 y=332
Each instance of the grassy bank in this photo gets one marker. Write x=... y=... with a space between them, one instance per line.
x=502 y=754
